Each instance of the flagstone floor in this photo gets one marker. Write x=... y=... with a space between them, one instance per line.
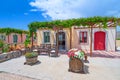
x=9 y=76
x=104 y=54
x=56 y=68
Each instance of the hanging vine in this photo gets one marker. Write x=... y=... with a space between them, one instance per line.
x=73 y=22
x=8 y=31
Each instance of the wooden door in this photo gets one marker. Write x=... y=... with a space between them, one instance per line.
x=99 y=40
x=61 y=41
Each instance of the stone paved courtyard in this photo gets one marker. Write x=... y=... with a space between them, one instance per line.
x=51 y=68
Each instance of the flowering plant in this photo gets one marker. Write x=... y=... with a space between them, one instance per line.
x=76 y=53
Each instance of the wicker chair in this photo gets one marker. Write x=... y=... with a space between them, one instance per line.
x=45 y=48
x=42 y=48
x=53 y=51
x=48 y=48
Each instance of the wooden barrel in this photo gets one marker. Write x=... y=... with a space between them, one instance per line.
x=31 y=60
x=76 y=65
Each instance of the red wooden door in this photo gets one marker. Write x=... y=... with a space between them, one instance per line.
x=99 y=40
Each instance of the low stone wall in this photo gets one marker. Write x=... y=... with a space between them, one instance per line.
x=13 y=54
x=10 y=55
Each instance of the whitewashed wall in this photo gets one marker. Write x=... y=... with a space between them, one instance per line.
x=75 y=39
x=109 y=43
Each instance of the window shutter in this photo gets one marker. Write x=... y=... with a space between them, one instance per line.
x=46 y=37
x=15 y=38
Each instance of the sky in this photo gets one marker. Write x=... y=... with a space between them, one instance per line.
x=20 y=13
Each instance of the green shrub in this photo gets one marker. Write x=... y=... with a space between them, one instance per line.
x=118 y=39
x=31 y=55
x=1 y=43
x=27 y=41
x=5 y=48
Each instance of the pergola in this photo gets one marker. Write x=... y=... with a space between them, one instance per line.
x=90 y=22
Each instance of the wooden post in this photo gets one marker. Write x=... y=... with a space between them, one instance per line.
x=21 y=38
x=91 y=41
x=70 y=38
x=57 y=42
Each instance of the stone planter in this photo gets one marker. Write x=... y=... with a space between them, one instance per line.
x=31 y=61
x=76 y=65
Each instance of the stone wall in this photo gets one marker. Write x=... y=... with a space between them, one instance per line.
x=10 y=55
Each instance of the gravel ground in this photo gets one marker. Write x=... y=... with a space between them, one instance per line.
x=52 y=68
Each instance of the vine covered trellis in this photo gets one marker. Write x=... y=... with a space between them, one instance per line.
x=8 y=31
x=89 y=22
x=73 y=22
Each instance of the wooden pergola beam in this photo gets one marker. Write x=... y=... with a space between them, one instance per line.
x=70 y=38
x=91 y=39
x=57 y=45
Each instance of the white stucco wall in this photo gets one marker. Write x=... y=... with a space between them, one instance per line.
x=109 y=43
x=110 y=38
x=40 y=37
x=75 y=41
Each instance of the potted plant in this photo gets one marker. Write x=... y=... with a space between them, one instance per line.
x=76 y=60
x=31 y=58
x=1 y=46
x=6 y=48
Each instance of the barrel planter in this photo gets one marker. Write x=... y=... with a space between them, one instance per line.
x=76 y=60
x=31 y=61
x=31 y=58
x=76 y=65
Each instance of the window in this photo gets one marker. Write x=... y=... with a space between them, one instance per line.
x=46 y=37
x=2 y=37
x=15 y=38
x=83 y=37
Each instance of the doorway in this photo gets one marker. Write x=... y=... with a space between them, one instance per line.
x=99 y=40
x=61 y=41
